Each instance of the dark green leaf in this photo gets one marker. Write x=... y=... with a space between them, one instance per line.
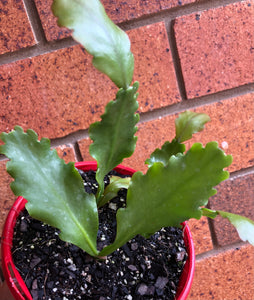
x=114 y=136
x=54 y=190
x=168 y=195
x=167 y=150
x=188 y=123
x=109 y=45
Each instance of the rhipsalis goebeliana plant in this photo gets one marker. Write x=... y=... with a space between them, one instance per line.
x=177 y=184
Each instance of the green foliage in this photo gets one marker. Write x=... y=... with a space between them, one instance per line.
x=114 y=136
x=115 y=185
x=54 y=190
x=167 y=150
x=188 y=123
x=176 y=185
x=243 y=225
x=168 y=195
x=107 y=43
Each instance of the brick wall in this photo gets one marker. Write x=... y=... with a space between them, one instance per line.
x=189 y=54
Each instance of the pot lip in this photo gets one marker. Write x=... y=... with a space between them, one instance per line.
x=15 y=282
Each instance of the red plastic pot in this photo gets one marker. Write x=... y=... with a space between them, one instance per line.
x=16 y=283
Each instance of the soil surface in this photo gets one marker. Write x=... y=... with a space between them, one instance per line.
x=141 y=269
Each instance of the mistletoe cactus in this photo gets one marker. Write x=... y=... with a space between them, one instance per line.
x=177 y=184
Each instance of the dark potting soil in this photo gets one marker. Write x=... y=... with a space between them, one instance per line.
x=141 y=269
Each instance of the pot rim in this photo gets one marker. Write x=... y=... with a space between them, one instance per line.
x=14 y=280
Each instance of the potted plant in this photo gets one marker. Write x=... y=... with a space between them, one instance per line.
x=175 y=188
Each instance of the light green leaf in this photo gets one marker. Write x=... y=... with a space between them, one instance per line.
x=115 y=185
x=109 y=45
x=209 y=213
x=54 y=190
x=167 y=150
x=243 y=225
x=168 y=195
x=114 y=136
x=189 y=123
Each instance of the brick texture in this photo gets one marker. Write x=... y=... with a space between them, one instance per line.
x=6 y=196
x=201 y=235
x=212 y=45
x=15 y=30
x=153 y=67
x=231 y=126
x=118 y=11
x=46 y=94
x=227 y=275
x=54 y=89
x=67 y=153
x=237 y=196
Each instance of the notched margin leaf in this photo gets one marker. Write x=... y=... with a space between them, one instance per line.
x=54 y=190
x=168 y=195
x=189 y=123
x=167 y=150
x=106 y=42
x=113 y=137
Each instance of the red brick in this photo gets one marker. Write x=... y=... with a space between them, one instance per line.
x=216 y=48
x=84 y=149
x=119 y=11
x=154 y=67
x=7 y=198
x=53 y=93
x=201 y=235
x=49 y=22
x=227 y=275
x=60 y=92
x=237 y=196
x=15 y=31
x=231 y=126
x=67 y=153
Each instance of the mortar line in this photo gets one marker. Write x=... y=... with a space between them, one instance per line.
x=197 y=102
x=36 y=50
x=241 y=173
x=214 y=239
x=35 y=21
x=176 y=59
x=174 y=12
x=71 y=138
x=77 y=152
x=44 y=46
x=220 y=250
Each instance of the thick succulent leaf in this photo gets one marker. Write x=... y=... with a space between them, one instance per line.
x=114 y=136
x=167 y=150
x=168 y=195
x=54 y=190
x=189 y=123
x=109 y=45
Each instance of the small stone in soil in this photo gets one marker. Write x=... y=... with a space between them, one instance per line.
x=141 y=269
